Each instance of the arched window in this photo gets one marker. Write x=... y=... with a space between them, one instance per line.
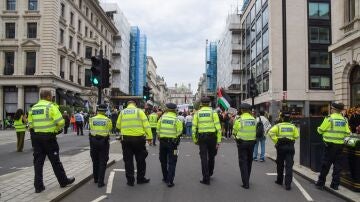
x=355 y=86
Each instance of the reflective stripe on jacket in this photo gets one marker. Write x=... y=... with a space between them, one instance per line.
x=100 y=125
x=153 y=119
x=245 y=127
x=334 y=129
x=169 y=126
x=206 y=121
x=19 y=125
x=283 y=130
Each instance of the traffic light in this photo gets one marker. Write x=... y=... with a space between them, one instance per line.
x=252 y=88
x=96 y=71
x=105 y=75
x=146 y=92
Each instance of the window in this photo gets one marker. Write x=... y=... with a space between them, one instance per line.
x=10 y=30
x=265 y=17
x=258 y=25
x=78 y=48
x=252 y=14
x=319 y=11
x=258 y=6
x=97 y=23
x=10 y=5
x=91 y=34
x=258 y=46
x=62 y=74
x=87 y=77
x=32 y=30
x=266 y=84
x=319 y=59
x=30 y=63
x=88 y=52
x=320 y=82
x=71 y=71
x=79 y=74
x=80 y=4
x=63 y=10
x=9 y=63
x=319 y=35
x=86 y=31
x=253 y=34
x=253 y=52
x=266 y=62
x=71 y=18
x=91 y=17
x=87 y=12
x=33 y=5
x=70 y=42
x=96 y=51
x=79 y=26
x=265 y=39
x=105 y=51
x=350 y=10
x=61 y=36
x=259 y=67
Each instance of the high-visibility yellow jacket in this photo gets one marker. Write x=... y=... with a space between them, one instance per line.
x=100 y=125
x=206 y=120
x=283 y=130
x=153 y=119
x=334 y=129
x=133 y=122
x=45 y=117
x=19 y=125
x=169 y=126
x=245 y=127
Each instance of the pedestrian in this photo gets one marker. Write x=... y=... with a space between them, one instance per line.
x=135 y=129
x=114 y=115
x=169 y=128
x=333 y=129
x=226 y=120
x=261 y=138
x=284 y=135
x=244 y=131
x=100 y=129
x=73 y=123
x=188 y=124
x=182 y=119
x=79 y=121
x=46 y=120
x=206 y=132
x=20 y=128
x=153 y=120
x=67 y=121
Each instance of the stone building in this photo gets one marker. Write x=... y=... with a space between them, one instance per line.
x=180 y=94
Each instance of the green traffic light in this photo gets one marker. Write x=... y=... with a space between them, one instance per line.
x=95 y=81
x=145 y=97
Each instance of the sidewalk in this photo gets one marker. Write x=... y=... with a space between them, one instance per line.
x=310 y=175
x=9 y=136
x=18 y=186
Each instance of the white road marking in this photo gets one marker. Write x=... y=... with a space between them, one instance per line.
x=271 y=174
x=114 y=141
x=100 y=198
x=121 y=170
x=187 y=155
x=110 y=182
x=303 y=191
x=153 y=154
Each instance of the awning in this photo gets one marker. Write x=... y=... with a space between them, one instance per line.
x=79 y=101
x=65 y=96
x=75 y=101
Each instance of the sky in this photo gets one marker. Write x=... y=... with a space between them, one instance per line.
x=176 y=31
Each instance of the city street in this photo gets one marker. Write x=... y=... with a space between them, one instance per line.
x=12 y=161
x=225 y=184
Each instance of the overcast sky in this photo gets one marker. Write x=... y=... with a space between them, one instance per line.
x=177 y=31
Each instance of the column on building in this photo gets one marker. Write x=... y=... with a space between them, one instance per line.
x=20 y=97
x=1 y=104
x=2 y=66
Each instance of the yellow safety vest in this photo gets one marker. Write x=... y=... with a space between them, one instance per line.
x=169 y=126
x=19 y=125
x=45 y=117
x=334 y=129
x=245 y=127
x=153 y=119
x=205 y=120
x=100 y=125
x=287 y=130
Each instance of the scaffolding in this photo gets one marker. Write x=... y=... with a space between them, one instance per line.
x=211 y=66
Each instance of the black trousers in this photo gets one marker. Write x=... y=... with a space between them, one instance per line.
x=79 y=126
x=66 y=127
x=333 y=155
x=285 y=158
x=208 y=151
x=99 y=152
x=134 y=146
x=245 y=155
x=153 y=130
x=168 y=159
x=46 y=145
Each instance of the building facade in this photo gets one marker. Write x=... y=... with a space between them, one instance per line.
x=53 y=42
x=180 y=94
x=229 y=54
x=201 y=89
x=285 y=45
x=151 y=78
x=211 y=67
x=345 y=51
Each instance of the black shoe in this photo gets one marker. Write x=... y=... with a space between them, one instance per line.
x=131 y=184
x=164 y=180
x=288 y=188
x=278 y=182
x=319 y=185
x=170 y=184
x=69 y=181
x=245 y=186
x=334 y=187
x=207 y=182
x=101 y=184
x=40 y=189
x=143 y=181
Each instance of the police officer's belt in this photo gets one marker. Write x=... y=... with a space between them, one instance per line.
x=207 y=134
x=244 y=141
x=167 y=139
x=99 y=137
x=285 y=141
x=43 y=134
x=127 y=137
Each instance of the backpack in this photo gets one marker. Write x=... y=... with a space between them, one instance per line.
x=260 y=129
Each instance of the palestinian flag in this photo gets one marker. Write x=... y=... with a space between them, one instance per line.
x=223 y=99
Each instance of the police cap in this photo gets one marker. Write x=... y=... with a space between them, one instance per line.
x=205 y=100
x=102 y=107
x=131 y=102
x=245 y=106
x=171 y=106
x=337 y=105
x=285 y=114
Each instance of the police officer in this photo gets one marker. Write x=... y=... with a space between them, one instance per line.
x=206 y=132
x=153 y=119
x=169 y=129
x=135 y=130
x=244 y=130
x=100 y=128
x=46 y=120
x=333 y=129
x=284 y=135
